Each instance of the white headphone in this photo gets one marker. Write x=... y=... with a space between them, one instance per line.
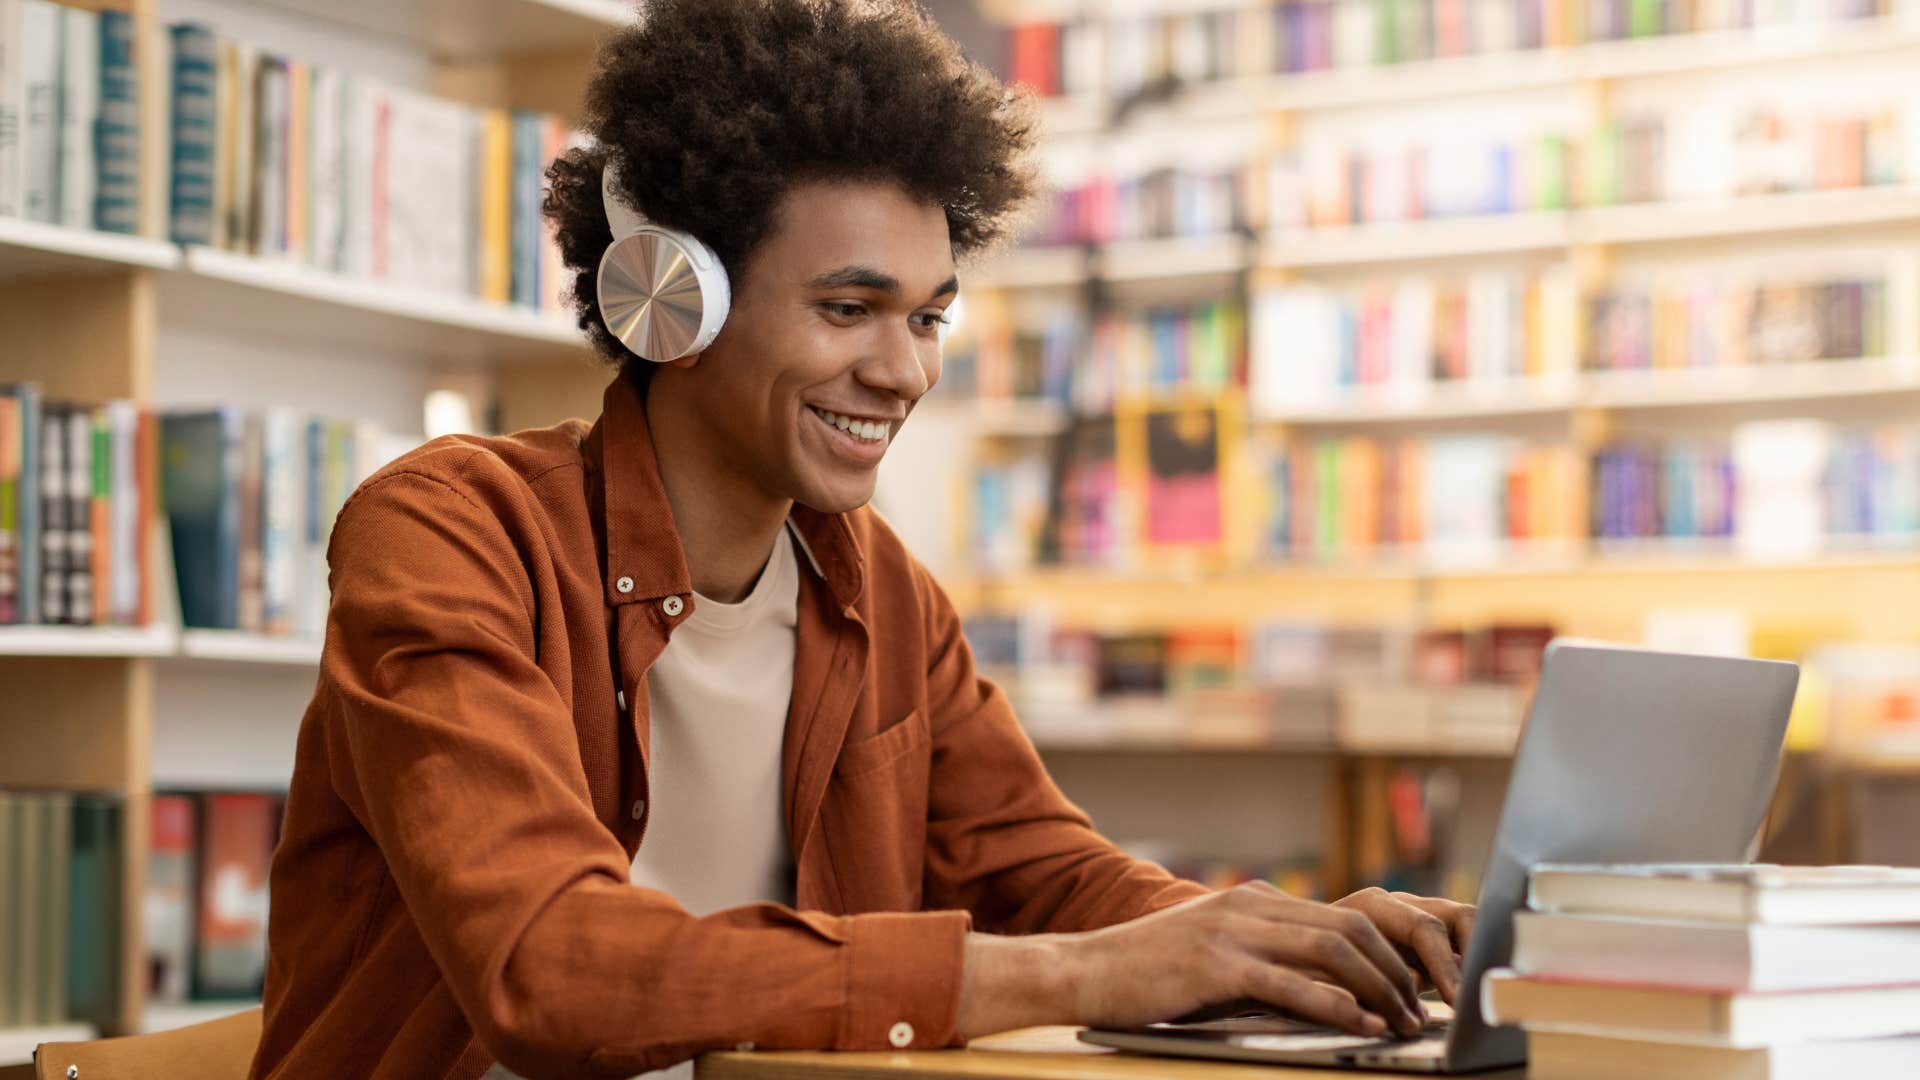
x=662 y=292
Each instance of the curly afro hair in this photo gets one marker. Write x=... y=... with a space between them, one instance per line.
x=713 y=108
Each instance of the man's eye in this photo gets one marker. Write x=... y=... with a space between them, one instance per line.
x=847 y=311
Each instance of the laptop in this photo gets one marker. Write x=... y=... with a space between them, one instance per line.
x=1627 y=756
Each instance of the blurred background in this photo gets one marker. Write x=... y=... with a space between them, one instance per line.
x=1358 y=349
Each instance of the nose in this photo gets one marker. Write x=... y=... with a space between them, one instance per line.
x=905 y=365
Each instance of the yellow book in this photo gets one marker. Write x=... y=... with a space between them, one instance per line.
x=496 y=206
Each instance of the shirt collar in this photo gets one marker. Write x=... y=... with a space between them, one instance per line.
x=643 y=549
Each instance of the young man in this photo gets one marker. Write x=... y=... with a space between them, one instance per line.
x=645 y=739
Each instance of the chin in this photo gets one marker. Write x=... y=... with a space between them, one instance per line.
x=839 y=501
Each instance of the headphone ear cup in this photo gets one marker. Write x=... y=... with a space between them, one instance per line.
x=662 y=293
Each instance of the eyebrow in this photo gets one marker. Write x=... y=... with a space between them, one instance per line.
x=866 y=277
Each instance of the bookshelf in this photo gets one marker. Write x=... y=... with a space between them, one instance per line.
x=1366 y=122
x=93 y=316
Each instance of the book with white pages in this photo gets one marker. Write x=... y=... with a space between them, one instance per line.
x=1705 y=1017
x=1785 y=895
x=1713 y=956
x=1556 y=1056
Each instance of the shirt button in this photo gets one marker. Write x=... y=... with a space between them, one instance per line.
x=625 y=585
x=639 y=809
x=901 y=1036
x=673 y=606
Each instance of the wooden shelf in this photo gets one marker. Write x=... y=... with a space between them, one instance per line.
x=1621 y=390
x=469 y=29
x=1757 y=215
x=1186 y=256
x=286 y=299
x=1408 y=241
x=1014 y=419
x=185 y=1014
x=32 y=249
x=101 y=641
x=240 y=647
x=1029 y=267
x=17 y=1044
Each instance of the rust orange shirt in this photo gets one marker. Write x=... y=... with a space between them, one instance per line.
x=451 y=885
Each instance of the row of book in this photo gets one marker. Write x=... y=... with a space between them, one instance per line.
x=205 y=907
x=1776 y=486
x=1131 y=55
x=1772 y=488
x=250 y=499
x=1714 y=322
x=1306 y=686
x=1728 y=148
x=1058 y=355
x=77 y=483
x=1465 y=497
x=1313 y=344
x=69 y=116
x=60 y=869
x=282 y=158
x=1683 y=971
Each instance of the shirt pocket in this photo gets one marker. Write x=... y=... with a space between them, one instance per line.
x=874 y=817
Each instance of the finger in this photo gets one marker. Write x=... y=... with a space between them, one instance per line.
x=1458 y=917
x=1426 y=934
x=1357 y=928
x=1325 y=950
x=1295 y=994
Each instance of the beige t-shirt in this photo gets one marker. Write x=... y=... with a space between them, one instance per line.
x=717 y=835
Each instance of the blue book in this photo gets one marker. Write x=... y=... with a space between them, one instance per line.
x=117 y=132
x=525 y=232
x=196 y=53
x=200 y=494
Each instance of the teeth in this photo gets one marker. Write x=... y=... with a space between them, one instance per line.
x=868 y=430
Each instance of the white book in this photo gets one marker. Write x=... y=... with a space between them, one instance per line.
x=13 y=92
x=1555 y=1056
x=429 y=207
x=1411 y=338
x=328 y=168
x=283 y=499
x=365 y=141
x=1694 y=1016
x=1714 y=956
x=79 y=108
x=40 y=115
x=1800 y=895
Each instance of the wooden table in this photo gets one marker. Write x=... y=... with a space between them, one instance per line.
x=1049 y=1053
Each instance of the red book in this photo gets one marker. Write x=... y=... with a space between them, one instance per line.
x=236 y=847
x=167 y=908
x=1036 y=57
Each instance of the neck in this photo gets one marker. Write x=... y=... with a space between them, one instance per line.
x=727 y=524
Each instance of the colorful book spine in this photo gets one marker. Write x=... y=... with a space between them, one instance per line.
x=40 y=104
x=55 y=531
x=117 y=135
x=196 y=55
x=281 y=499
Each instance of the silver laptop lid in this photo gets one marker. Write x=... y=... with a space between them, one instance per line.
x=1627 y=756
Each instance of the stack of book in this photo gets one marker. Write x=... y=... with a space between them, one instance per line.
x=60 y=866
x=1692 y=972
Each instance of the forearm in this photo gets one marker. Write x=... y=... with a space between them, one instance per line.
x=1016 y=982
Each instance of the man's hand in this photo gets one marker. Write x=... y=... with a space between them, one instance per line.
x=1429 y=932
x=1332 y=964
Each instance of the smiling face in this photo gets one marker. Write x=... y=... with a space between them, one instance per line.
x=832 y=340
